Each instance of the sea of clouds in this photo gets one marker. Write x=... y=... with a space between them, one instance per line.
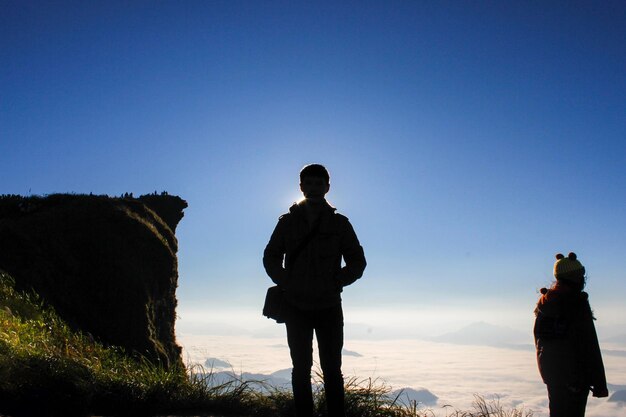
x=440 y=356
x=439 y=374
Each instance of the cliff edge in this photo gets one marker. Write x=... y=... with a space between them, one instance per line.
x=107 y=265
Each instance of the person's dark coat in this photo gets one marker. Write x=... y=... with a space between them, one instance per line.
x=568 y=352
x=315 y=278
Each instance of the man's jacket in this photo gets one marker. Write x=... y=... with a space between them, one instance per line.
x=314 y=278
x=567 y=345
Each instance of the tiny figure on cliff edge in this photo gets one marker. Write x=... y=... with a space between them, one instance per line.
x=312 y=239
x=568 y=353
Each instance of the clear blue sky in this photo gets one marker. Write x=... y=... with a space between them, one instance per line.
x=468 y=141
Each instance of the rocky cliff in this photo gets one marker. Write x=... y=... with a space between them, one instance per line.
x=107 y=265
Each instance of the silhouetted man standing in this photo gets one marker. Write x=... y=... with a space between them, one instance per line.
x=311 y=240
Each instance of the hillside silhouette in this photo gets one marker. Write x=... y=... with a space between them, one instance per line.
x=107 y=265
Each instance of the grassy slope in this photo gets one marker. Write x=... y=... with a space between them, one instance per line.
x=47 y=369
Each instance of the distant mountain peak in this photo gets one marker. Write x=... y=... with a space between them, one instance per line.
x=408 y=395
x=482 y=333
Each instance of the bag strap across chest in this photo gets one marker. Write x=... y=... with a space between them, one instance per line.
x=304 y=242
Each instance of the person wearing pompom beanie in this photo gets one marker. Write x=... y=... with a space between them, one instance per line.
x=568 y=353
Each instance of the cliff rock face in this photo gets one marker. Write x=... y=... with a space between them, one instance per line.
x=107 y=265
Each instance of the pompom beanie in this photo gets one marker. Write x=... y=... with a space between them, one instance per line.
x=568 y=268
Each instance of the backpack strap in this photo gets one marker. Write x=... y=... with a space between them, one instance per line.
x=303 y=243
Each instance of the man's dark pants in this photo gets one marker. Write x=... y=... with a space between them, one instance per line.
x=328 y=326
x=567 y=402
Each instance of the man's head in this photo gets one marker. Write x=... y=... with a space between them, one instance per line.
x=314 y=182
x=316 y=171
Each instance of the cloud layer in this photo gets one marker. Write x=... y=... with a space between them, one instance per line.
x=453 y=373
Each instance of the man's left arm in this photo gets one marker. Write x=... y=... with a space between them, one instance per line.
x=353 y=256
